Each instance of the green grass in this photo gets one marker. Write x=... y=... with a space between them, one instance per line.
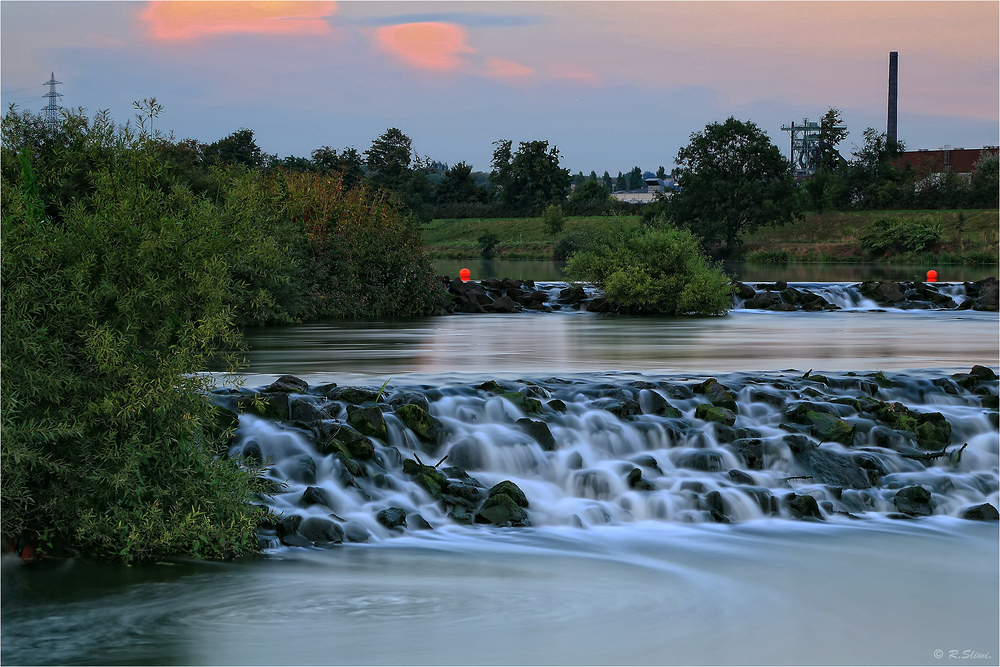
x=831 y=236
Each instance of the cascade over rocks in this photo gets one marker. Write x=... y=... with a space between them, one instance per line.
x=814 y=446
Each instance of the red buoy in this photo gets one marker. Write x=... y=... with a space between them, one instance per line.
x=464 y=275
x=932 y=276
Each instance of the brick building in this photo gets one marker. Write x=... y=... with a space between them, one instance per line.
x=957 y=160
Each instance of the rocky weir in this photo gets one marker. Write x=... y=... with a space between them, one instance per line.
x=495 y=295
x=365 y=464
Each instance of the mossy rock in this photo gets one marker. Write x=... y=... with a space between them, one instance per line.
x=428 y=477
x=502 y=510
x=268 y=406
x=520 y=400
x=418 y=420
x=713 y=413
x=803 y=507
x=510 y=489
x=288 y=384
x=353 y=395
x=718 y=394
x=391 y=517
x=991 y=402
x=881 y=380
x=984 y=512
x=830 y=428
x=367 y=421
x=491 y=386
x=334 y=437
x=557 y=405
x=540 y=432
x=913 y=501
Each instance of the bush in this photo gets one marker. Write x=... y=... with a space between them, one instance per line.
x=552 y=218
x=653 y=271
x=768 y=257
x=890 y=235
x=109 y=314
x=488 y=245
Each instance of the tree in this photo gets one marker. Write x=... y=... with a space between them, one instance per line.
x=635 y=180
x=831 y=133
x=591 y=191
x=661 y=173
x=348 y=162
x=593 y=176
x=527 y=181
x=733 y=180
x=389 y=157
x=873 y=180
x=458 y=186
x=609 y=183
x=620 y=182
x=552 y=219
x=238 y=148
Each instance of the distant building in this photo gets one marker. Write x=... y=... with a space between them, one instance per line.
x=942 y=160
x=653 y=188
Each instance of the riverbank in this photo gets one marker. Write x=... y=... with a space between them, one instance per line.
x=821 y=237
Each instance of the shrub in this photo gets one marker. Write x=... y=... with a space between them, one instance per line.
x=768 y=257
x=488 y=245
x=109 y=313
x=890 y=235
x=653 y=271
x=552 y=218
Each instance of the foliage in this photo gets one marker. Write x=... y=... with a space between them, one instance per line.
x=657 y=271
x=487 y=245
x=238 y=148
x=831 y=133
x=527 y=181
x=985 y=183
x=890 y=235
x=733 y=179
x=591 y=191
x=362 y=258
x=552 y=219
x=109 y=312
x=767 y=257
x=458 y=187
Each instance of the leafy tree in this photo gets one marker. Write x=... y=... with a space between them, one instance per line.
x=238 y=148
x=593 y=176
x=552 y=219
x=985 y=182
x=733 y=180
x=661 y=172
x=389 y=157
x=527 y=181
x=579 y=179
x=635 y=180
x=609 y=183
x=591 y=191
x=459 y=186
x=831 y=132
x=488 y=245
x=659 y=271
x=348 y=163
x=873 y=181
x=620 y=182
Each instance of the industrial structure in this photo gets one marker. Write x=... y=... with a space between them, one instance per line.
x=52 y=108
x=890 y=121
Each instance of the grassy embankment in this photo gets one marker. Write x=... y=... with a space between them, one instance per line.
x=821 y=237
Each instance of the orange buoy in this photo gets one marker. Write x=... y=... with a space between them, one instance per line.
x=464 y=275
x=932 y=276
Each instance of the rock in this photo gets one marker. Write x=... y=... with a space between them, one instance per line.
x=914 y=501
x=269 y=406
x=353 y=395
x=318 y=529
x=571 y=295
x=288 y=384
x=932 y=430
x=716 y=507
x=718 y=394
x=623 y=408
x=492 y=386
x=825 y=426
x=751 y=450
x=391 y=517
x=885 y=292
x=418 y=420
x=468 y=453
x=333 y=437
x=648 y=462
x=653 y=403
x=743 y=290
x=988 y=295
x=417 y=522
x=512 y=490
x=983 y=372
x=803 y=507
x=539 y=431
x=314 y=495
x=557 y=405
x=502 y=510
x=296 y=540
x=711 y=413
x=356 y=533
x=635 y=481
x=367 y=421
x=767 y=503
x=984 y=512
x=740 y=477
x=310 y=409
x=426 y=476
x=503 y=304
x=522 y=401
x=835 y=469
x=705 y=460
x=592 y=484
x=303 y=469
x=288 y=525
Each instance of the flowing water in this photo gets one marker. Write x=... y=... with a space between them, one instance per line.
x=706 y=561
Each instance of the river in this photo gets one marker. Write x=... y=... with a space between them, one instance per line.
x=605 y=574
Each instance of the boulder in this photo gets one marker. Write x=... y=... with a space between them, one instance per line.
x=635 y=481
x=391 y=517
x=988 y=294
x=653 y=403
x=740 y=477
x=502 y=510
x=539 y=431
x=268 y=405
x=984 y=512
x=718 y=394
x=716 y=507
x=314 y=495
x=367 y=421
x=418 y=420
x=914 y=501
x=704 y=459
x=335 y=437
x=751 y=450
x=308 y=409
x=318 y=529
x=288 y=384
x=510 y=489
x=353 y=395
x=711 y=413
x=503 y=304
x=803 y=507
x=743 y=290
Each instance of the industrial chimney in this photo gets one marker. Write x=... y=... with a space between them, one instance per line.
x=890 y=125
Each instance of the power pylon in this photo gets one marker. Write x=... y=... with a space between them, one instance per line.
x=52 y=108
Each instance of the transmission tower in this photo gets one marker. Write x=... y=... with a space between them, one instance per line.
x=52 y=108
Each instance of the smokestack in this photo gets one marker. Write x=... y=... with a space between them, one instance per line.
x=890 y=125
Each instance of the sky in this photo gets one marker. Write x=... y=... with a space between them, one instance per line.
x=613 y=85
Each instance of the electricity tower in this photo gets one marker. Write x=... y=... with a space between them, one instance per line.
x=52 y=108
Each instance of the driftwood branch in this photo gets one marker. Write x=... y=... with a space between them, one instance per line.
x=441 y=461
x=786 y=479
x=956 y=455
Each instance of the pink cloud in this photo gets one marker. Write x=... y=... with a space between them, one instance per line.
x=167 y=20
x=434 y=46
x=507 y=69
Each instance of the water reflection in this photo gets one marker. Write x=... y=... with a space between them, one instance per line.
x=534 y=343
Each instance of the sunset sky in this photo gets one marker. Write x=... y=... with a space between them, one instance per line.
x=612 y=84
